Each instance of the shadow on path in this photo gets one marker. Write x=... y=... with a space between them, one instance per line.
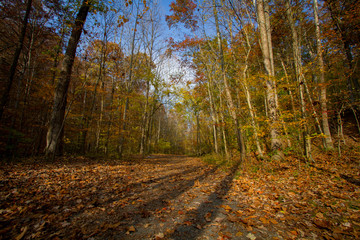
x=349 y=179
x=211 y=205
x=144 y=211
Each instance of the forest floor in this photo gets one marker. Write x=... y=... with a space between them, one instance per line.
x=179 y=197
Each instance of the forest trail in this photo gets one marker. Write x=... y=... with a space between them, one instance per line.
x=172 y=197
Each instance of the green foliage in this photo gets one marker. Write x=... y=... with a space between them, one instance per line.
x=255 y=168
x=164 y=146
x=288 y=151
x=215 y=159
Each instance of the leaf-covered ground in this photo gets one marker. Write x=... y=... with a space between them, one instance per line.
x=178 y=197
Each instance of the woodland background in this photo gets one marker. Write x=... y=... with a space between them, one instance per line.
x=266 y=79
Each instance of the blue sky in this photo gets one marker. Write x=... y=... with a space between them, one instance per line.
x=165 y=5
x=177 y=32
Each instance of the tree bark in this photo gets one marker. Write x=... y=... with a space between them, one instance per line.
x=323 y=104
x=298 y=74
x=229 y=99
x=58 y=112
x=128 y=91
x=272 y=104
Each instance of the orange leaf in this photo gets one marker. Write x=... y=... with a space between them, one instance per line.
x=273 y=221
x=264 y=220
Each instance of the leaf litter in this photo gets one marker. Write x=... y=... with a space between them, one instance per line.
x=178 y=197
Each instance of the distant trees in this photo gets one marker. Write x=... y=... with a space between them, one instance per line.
x=270 y=77
x=268 y=58
x=69 y=99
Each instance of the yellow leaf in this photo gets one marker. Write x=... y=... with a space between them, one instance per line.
x=226 y=207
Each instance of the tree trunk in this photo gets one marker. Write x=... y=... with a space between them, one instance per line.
x=272 y=105
x=110 y=118
x=20 y=79
x=213 y=116
x=128 y=90
x=229 y=99
x=298 y=74
x=323 y=104
x=253 y=122
x=58 y=112
x=144 y=124
x=6 y=95
x=212 y=104
x=223 y=130
x=248 y=96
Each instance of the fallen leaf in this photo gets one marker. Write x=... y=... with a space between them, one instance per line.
x=131 y=229
x=208 y=217
x=188 y=223
x=232 y=218
x=273 y=221
x=249 y=228
x=322 y=223
x=239 y=234
x=169 y=231
x=21 y=235
x=251 y=236
x=264 y=220
x=115 y=225
x=226 y=207
x=346 y=226
x=159 y=236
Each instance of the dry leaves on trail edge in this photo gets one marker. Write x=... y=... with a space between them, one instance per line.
x=318 y=200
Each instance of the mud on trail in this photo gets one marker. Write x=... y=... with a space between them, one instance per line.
x=176 y=197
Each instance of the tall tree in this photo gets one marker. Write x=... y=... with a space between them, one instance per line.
x=299 y=77
x=239 y=135
x=272 y=103
x=56 y=125
x=5 y=97
x=323 y=100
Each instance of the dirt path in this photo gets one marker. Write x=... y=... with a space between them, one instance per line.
x=160 y=197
